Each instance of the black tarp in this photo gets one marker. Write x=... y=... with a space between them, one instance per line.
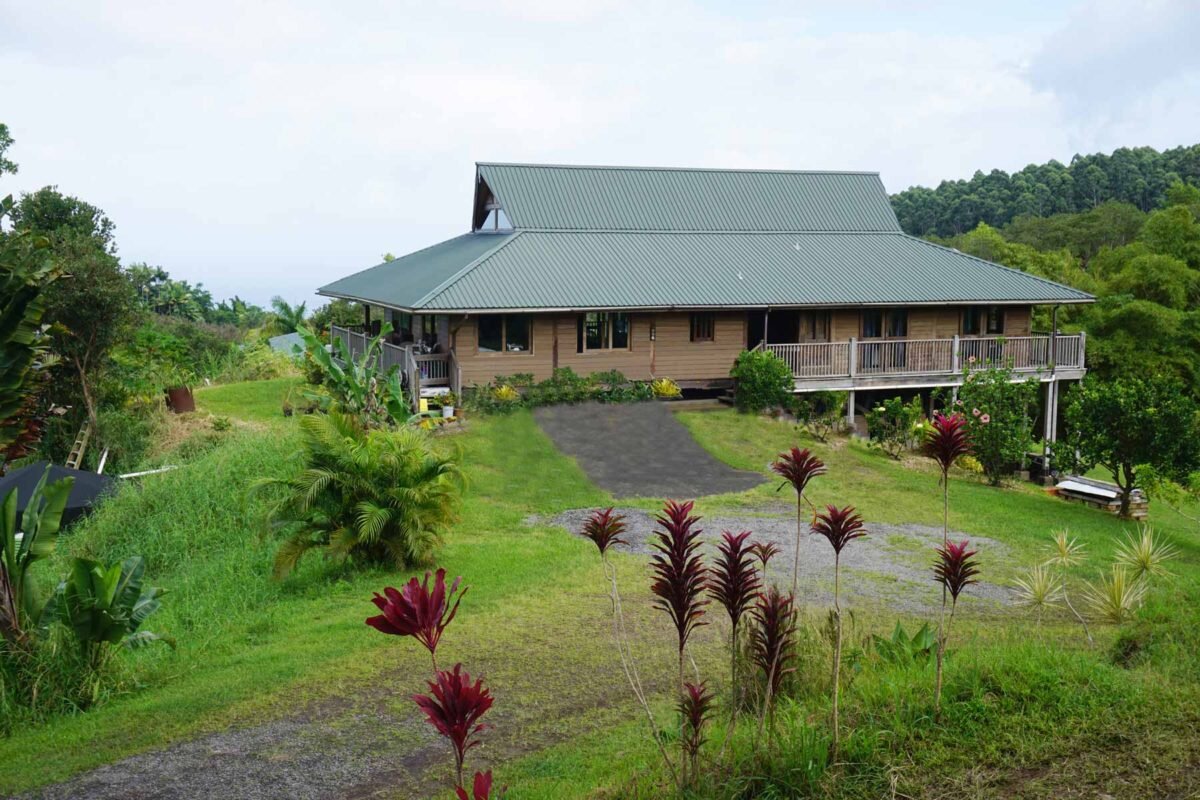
x=85 y=492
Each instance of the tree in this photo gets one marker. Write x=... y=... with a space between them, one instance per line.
x=1174 y=232
x=286 y=318
x=1132 y=421
x=1160 y=279
x=6 y=142
x=339 y=312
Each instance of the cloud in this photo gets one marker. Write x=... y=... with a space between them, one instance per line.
x=271 y=147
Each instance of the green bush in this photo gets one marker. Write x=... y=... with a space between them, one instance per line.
x=892 y=425
x=999 y=414
x=763 y=380
x=822 y=414
x=562 y=387
x=127 y=434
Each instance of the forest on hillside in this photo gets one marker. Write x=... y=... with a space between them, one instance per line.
x=1124 y=227
x=1137 y=176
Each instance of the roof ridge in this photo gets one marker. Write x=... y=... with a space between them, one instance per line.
x=714 y=232
x=1039 y=278
x=636 y=168
x=462 y=273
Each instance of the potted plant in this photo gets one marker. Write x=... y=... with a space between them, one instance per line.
x=448 y=401
x=176 y=383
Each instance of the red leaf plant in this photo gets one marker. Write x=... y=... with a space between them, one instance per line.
x=605 y=529
x=955 y=569
x=798 y=467
x=481 y=789
x=454 y=710
x=764 y=552
x=694 y=708
x=772 y=645
x=947 y=441
x=680 y=577
x=839 y=526
x=418 y=612
x=734 y=583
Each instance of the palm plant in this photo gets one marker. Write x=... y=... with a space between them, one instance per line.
x=370 y=495
x=38 y=527
x=734 y=583
x=286 y=318
x=1067 y=553
x=453 y=708
x=839 y=526
x=1042 y=589
x=772 y=646
x=955 y=569
x=417 y=611
x=798 y=467
x=679 y=576
x=1144 y=554
x=1114 y=598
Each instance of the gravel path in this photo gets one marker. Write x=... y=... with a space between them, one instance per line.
x=890 y=565
x=639 y=450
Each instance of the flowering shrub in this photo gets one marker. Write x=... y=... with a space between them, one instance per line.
x=892 y=425
x=999 y=415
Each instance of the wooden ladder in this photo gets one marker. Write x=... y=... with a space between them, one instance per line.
x=77 y=450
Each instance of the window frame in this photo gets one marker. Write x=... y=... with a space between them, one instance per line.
x=504 y=323
x=608 y=320
x=987 y=321
x=698 y=321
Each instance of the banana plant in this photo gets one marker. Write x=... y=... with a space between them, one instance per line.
x=26 y=539
x=106 y=605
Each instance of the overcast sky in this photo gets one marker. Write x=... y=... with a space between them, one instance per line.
x=269 y=147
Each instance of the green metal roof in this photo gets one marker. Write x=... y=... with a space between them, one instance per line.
x=402 y=283
x=570 y=270
x=547 y=197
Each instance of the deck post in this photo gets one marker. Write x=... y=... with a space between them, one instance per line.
x=1047 y=426
x=954 y=354
x=1082 y=342
x=850 y=410
x=1054 y=410
x=852 y=360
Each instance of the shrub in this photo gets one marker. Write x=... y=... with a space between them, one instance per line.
x=892 y=425
x=822 y=414
x=665 y=388
x=372 y=495
x=762 y=380
x=999 y=414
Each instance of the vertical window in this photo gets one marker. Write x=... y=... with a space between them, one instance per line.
x=872 y=323
x=814 y=326
x=897 y=323
x=602 y=331
x=971 y=318
x=505 y=333
x=995 y=320
x=704 y=326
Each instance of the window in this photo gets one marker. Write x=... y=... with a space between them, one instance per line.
x=983 y=320
x=814 y=326
x=704 y=326
x=897 y=323
x=505 y=333
x=872 y=324
x=602 y=331
x=971 y=317
x=995 y=320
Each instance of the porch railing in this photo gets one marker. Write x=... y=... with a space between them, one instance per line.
x=930 y=356
x=419 y=369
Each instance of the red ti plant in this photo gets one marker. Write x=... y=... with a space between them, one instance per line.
x=840 y=526
x=605 y=529
x=694 y=709
x=772 y=645
x=481 y=789
x=955 y=569
x=798 y=467
x=679 y=575
x=417 y=611
x=733 y=582
x=947 y=441
x=454 y=710
x=764 y=552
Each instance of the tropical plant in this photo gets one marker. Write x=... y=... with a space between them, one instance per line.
x=839 y=526
x=1041 y=589
x=694 y=708
x=665 y=388
x=1114 y=598
x=762 y=380
x=798 y=467
x=1000 y=419
x=372 y=495
x=25 y=541
x=106 y=605
x=955 y=569
x=605 y=528
x=734 y=583
x=358 y=386
x=946 y=442
x=1157 y=420
x=763 y=552
x=903 y=650
x=454 y=707
x=679 y=578
x=481 y=789
x=506 y=394
x=1144 y=555
x=772 y=646
x=286 y=318
x=892 y=425
x=418 y=611
x=1067 y=553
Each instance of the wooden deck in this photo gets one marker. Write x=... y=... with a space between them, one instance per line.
x=423 y=371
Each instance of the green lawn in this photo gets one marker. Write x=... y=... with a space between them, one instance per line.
x=1032 y=710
